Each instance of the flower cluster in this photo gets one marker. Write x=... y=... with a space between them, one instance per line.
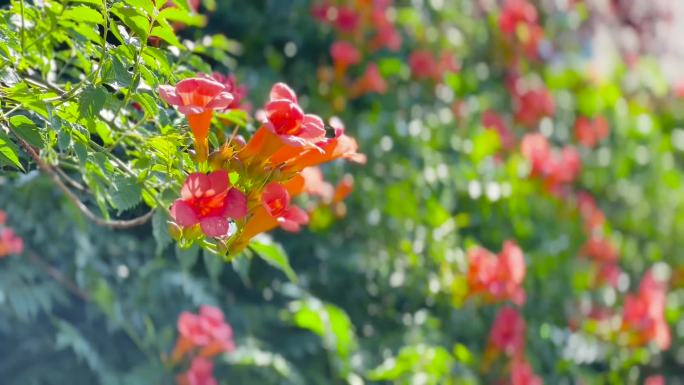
x=496 y=278
x=555 y=168
x=424 y=65
x=532 y=105
x=329 y=196
x=519 y=24
x=205 y=334
x=362 y=27
x=201 y=372
x=10 y=243
x=643 y=316
x=589 y=132
x=252 y=183
x=603 y=253
x=201 y=337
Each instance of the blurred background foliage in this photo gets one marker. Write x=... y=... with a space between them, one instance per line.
x=381 y=295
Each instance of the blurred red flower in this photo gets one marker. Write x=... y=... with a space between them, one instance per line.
x=201 y=372
x=522 y=373
x=643 y=316
x=344 y=53
x=10 y=243
x=533 y=105
x=508 y=332
x=206 y=334
x=591 y=131
x=229 y=81
x=370 y=82
x=497 y=278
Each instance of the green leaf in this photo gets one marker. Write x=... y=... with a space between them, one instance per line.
x=91 y=102
x=147 y=103
x=160 y=230
x=275 y=256
x=125 y=193
x=213 y=263
x=83 y=14
x=27 y=130
x=187 y=256
x=9 y=152
x=485 y=144
x=165 y=32
x=134 y=19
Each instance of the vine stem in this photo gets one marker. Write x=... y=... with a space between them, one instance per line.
x=56 y=275
x=114 y=224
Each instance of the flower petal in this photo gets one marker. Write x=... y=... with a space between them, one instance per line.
x=183 y=214
x=191 y=110
x=200 y=85
x=235 y=204
x=195 y=186
x=282 y=91
x=168 y=93
x=218 y=181
x=293 y=218
x=313 y=128
x=221 y=101
x=215 y=226
x=275 y=198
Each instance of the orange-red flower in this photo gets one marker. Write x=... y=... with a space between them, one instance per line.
x=210 y=201
x=10 y=243
x=533 y=105
x=600 y=249
x=197 y=98
x=344 y=54
x=508 y=332
x=371 y=81
x=201 y=372
x=229 y=81
x=206 y=334
x=591 y=131
x=643 y=315
x=497 y=278
x=522 y=373
x=276 y=201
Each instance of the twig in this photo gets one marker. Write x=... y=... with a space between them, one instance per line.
x=70 y=180
x=57 y=275
x=114 y=224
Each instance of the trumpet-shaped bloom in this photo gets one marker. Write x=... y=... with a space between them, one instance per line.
x=210 y=201
x=10 y=243
x=533 y=105
x=643 y=315
x=600 y=249
x=201 y=372
x=285 y=118
x=344 y=53
x=591 y=131
x=197 y=98
x=206 y=333
x=370 y=82
x=497 y=278
x=229 y=81
x=522 y=373
x=508 y=332
x=276 y=200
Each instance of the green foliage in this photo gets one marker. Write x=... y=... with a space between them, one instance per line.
x=380 y=296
